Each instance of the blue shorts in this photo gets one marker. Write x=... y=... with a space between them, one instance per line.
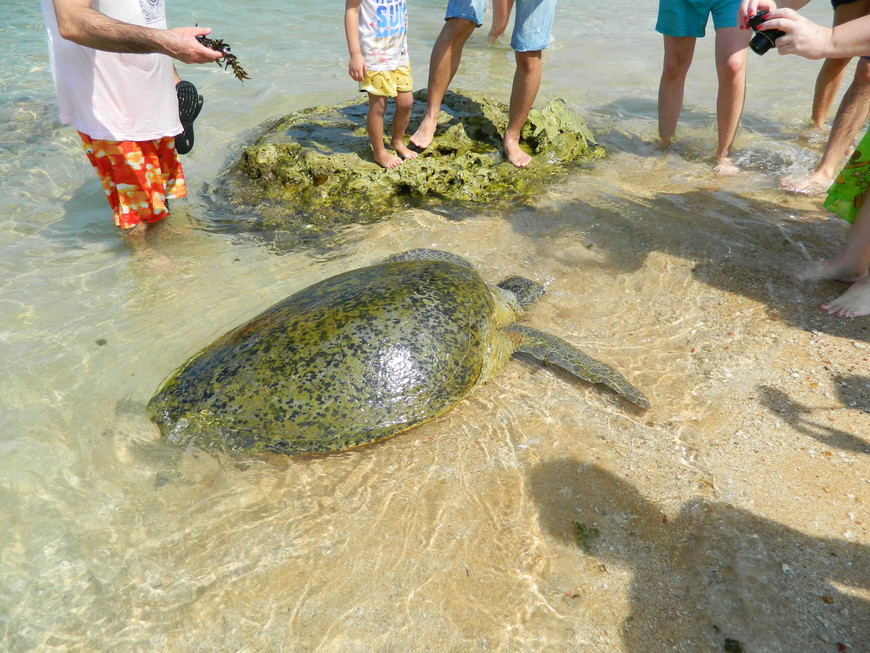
x=689 y=17
x=533 y=20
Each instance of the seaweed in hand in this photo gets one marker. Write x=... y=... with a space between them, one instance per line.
x=228 y=60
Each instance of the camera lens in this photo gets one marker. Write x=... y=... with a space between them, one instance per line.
x=761 y=43
x=762 y=40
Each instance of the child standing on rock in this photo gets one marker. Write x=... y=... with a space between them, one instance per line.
x=376 y=33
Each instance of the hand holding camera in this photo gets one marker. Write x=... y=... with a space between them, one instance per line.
x=762 y=40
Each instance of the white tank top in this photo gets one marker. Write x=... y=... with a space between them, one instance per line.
x=109 y=95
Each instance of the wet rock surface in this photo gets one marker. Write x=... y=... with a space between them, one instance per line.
x=314 y=168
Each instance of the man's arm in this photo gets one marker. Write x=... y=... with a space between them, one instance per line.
x=80 y=24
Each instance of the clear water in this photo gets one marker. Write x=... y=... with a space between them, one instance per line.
x=455 y=536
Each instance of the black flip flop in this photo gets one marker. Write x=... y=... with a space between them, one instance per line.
x=189 y=106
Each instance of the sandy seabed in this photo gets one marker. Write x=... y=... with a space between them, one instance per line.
x=545 y=514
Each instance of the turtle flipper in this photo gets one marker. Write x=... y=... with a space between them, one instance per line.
x=553 y=350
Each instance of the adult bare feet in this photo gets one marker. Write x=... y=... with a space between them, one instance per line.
x=855 y=302
x=725 y=167
x=829 y=270
x=425 y=134
x=813 y=184
x=515 y=154
x=402 y=150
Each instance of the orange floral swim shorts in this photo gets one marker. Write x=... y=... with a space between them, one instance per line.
x=138 y=177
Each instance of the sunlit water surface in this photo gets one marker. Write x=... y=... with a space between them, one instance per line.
x=457 y=535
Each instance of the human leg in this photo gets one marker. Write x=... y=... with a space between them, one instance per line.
x=527 y=81
x=402 y=116
x=679 y=51
x=846 y=199
x=443 y=64
x=832 y=71
x=375 y=127
x=851 y=115
x=731 y=72
x=501 y=12
x=827 y=84
x=533 y=23
x=851 y=265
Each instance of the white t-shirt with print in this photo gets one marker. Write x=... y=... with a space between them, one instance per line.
x=383 y=33
x=111 y=95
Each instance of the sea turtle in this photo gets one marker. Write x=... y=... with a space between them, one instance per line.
x=360 y=357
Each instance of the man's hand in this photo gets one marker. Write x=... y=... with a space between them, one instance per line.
x=802 y=37
x=182 y=45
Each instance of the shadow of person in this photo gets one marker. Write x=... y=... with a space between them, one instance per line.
x=714 y=577
x=807 y=419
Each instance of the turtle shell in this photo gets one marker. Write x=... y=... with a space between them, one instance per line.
x=352 y=359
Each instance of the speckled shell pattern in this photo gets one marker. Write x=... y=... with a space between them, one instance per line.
x=352 y=359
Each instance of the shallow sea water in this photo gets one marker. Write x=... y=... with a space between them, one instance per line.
x=732 y=510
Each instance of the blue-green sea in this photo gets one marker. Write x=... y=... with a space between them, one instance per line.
x=541 y=514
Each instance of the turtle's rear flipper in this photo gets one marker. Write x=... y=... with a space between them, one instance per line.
x=552 y=350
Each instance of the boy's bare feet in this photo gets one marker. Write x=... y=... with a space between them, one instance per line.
x=725 y=167
x=425 y=134
x=855 y=302
x=402 y=150
x=812 y=184
x=386 y=160
x=515 y=154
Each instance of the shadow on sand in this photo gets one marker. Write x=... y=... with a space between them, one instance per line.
x=712 y=577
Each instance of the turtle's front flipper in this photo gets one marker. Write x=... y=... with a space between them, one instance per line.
x=553 y=350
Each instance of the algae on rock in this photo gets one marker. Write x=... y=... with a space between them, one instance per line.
x=316 y=164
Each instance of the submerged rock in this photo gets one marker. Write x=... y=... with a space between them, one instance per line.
x=316 y=164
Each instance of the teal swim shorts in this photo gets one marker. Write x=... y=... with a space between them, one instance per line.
x=689 y=17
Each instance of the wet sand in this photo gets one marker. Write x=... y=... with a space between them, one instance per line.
x=541 y=514
x=545 y=514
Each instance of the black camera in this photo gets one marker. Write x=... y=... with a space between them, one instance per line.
x=762 y=40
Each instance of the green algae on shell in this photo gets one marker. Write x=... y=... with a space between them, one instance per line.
x=318 y=161
x=360 y=357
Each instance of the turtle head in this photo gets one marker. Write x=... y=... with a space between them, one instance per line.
x=524 y=290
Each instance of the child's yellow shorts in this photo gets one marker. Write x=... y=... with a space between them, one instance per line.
x=388 y=83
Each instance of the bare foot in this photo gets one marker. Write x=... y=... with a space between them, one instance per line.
x=155 y=261
x=725 y=167
x=815 y=134
x=812 y=184
x=855 y=302
x=402 y=150
x=515 y=154
x=136 y=237
x=425 y=134
x=828 y=270
x=386 y=160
